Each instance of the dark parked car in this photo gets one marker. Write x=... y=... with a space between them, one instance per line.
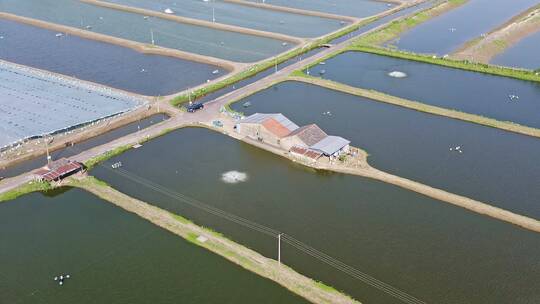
x=194 y=107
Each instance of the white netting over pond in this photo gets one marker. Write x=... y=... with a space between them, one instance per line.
x=34 y=103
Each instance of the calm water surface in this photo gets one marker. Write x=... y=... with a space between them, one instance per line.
x=196 y=39
x=446 y=33
x=524 y=54
x=434 y=251
x=470 y=92
x=355 y=8
x=244 y=16
x=113 y=257
x=495 y=166
x=114 y=66
x=38 y=162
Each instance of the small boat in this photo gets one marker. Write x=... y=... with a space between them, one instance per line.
x=168 y=11
x=88 y=27
x=215 y=72
x=322 y=63
x=322 y=72
x=246 y=104
x=59 y=35
x=284 y=44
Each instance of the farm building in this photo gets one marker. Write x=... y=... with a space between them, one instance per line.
x=306 y=143
x=305 y=136
x=266 y=128
x=58 y=170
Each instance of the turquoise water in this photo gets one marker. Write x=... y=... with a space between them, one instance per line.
x=195 y=39
x=112 y=256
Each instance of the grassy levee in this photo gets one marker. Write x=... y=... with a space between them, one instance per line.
x=396 y=28
x=33 y=186
x=258 y=68
x=521 y=74
x=315 y=292
x=417 y=106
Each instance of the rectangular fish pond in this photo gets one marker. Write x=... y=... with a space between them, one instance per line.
x=112 y=65
x=354 y=8
x=497 y=97
x=202 y=40
x=494 y=166
x=112 y=256
x=429 y=249
x=243 y=16
x=446 y=33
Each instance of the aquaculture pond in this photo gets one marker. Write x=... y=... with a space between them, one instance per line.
x=243 y=16
x=355 y=8
x=446 y=33
x=195 y=39
x=522 y=55
x=502 y=98
x=427 y=248
x=385 y=19
x=112 y=256
x=40 y=161
x=112 y=65
x=494 y=166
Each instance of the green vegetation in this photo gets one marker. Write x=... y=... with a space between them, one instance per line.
x=254 y=70
x=33 y=186
x=91 y=163
x=447 y=62
x=395 y=28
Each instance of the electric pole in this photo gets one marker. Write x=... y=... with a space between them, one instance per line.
x=279 y=248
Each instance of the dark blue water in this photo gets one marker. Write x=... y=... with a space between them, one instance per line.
x=469 y=92
x=437 y=252
x=496 y=167
x=524 y=54
x=446 y=33
x=38 y=162
x=103 y=63
x=112 y=256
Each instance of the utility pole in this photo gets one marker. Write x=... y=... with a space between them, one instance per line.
x=47 y=149
x=279 y=248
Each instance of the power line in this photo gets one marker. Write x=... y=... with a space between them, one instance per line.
x=321 y=256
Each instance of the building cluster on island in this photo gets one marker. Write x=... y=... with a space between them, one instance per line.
x=308 y=143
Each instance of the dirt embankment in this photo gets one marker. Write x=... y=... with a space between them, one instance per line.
x=234 y=252
x=485 y=48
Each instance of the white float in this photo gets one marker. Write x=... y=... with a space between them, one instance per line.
x=397 y=74
x=234 y=177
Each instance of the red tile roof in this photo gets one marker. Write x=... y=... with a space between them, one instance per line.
x=58 y=170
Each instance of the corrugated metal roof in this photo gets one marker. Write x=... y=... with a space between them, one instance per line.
x=310 y=134
x=276 y=123
x=330 y=144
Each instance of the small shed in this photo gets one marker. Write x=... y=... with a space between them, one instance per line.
x=332 y=146
x=58 y=170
